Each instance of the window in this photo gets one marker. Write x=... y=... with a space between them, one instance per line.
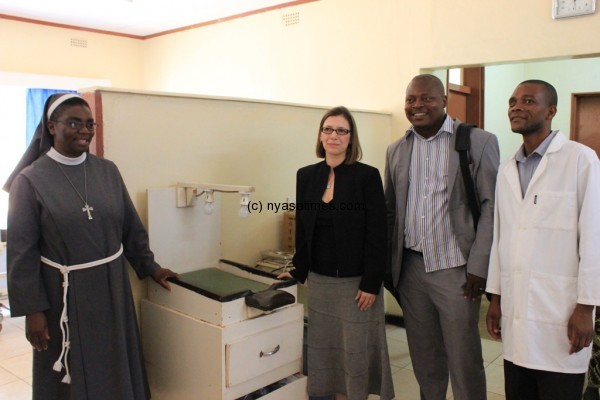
x=12 y=137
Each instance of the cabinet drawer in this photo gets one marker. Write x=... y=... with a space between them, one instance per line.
x=295 y=390
x=257 y=354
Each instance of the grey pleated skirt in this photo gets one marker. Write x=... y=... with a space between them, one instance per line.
x=347 y=348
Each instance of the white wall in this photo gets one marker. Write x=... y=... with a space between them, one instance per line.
x=45 y=50
x=157 y=140
x=500 y=82
x=357 y=52
x=340 y=53
x=353 y=52
x=475 y=32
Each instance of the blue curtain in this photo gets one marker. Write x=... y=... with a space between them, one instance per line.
x=36 y=98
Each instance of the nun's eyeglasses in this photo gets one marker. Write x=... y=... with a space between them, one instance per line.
x=77 y=125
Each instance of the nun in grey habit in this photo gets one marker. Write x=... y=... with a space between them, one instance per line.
x=70 y=208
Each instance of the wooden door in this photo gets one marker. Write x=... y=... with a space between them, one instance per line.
x=465 y=101
x=585 y=119
x=457 y=101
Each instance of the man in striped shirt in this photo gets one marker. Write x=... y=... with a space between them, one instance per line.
x=439 y=255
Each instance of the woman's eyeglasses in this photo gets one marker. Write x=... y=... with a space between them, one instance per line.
x=340 y=131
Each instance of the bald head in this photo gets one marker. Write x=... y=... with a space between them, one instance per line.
x=430 y=81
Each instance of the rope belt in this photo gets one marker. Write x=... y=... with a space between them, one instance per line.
x=64 y=325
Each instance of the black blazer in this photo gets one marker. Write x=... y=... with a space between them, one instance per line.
x=359 y=221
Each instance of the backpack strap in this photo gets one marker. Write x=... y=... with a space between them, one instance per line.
x=463 y=145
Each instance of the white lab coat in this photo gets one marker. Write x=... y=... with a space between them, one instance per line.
x=546 y=255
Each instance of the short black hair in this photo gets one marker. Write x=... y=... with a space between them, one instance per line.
x=551 y=95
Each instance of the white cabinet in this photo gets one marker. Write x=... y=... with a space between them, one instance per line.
x=202 y=346
x=188 y=358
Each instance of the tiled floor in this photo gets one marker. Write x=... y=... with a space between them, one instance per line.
x=15 y=360
x=405 y=384
x=15 y=364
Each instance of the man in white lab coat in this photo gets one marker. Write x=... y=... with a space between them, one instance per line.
x=544 y=273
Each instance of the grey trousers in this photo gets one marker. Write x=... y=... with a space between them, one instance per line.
x=442 y=331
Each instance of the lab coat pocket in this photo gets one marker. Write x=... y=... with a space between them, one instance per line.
x=555 y=210
x=552 y=298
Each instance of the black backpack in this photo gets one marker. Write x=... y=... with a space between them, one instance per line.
x=463 y=145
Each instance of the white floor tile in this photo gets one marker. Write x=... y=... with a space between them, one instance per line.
x=396 y=333
x=15 y=360
x=17 y=390
x=491 y=350
x=494 y=375
x=9 y=328
x=499 y=360
x=398 y=352
x=19 y=365
x=405 y=385
x=7 y=377
x=19 y=322
x=494 y=396
x=13 y=344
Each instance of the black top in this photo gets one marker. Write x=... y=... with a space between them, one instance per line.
x=324 y=260
x=358 y=239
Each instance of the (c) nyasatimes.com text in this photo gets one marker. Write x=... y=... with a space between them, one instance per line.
x=257 y=206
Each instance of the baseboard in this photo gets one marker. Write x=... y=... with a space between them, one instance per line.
x=397 y=320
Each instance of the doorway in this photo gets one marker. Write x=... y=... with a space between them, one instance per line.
x=585 y=119
x=466 y=95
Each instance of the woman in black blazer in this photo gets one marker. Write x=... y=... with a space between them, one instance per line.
x=341 y=253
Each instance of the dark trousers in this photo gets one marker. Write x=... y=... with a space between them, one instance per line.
x=532 y=384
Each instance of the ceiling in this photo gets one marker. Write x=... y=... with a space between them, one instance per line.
x=133 y=17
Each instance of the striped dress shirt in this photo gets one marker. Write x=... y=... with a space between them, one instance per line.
x=427 y=227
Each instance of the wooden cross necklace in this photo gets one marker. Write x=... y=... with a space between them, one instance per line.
x=86 y=207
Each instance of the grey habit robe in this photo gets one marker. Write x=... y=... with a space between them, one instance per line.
x=46 y=219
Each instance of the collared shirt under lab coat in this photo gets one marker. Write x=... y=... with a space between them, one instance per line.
x=546 y=255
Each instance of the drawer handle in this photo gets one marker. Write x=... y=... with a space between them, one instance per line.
x=269 y=353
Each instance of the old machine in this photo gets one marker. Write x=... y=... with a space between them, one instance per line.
x=225 y=331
